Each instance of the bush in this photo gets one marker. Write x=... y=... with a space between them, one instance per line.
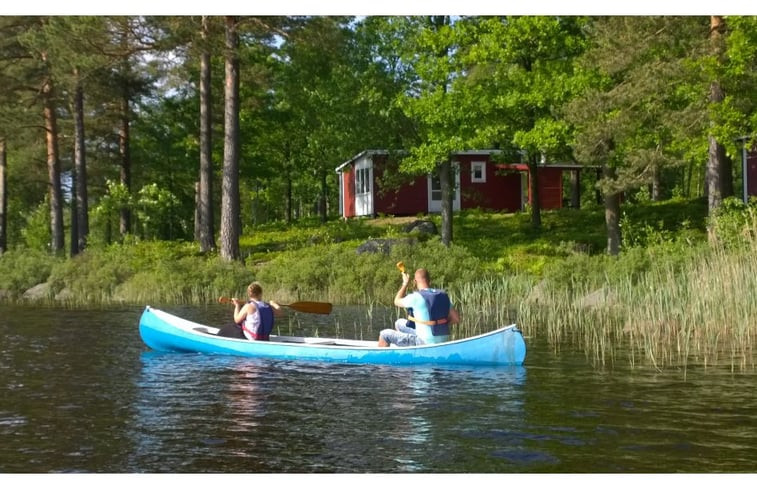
x=22 y=269
x=36 y=233
x=188 y=279
x=337 y=273
x=734 y=223
x=92 y=275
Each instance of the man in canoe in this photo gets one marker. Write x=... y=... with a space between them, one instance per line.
x=254 y=319
x=430 y=313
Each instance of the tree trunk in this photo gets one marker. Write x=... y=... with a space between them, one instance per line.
x=205 y=201
x=53 y=169
x=655 y=193
x=575 y=189
x=716 y=164
x=3 y=198
x=197 y=213
x=533 y=171
x=716 y=154
x=80 y=173
x=289 y=198
x=322 y=207
x=445 y=181
x=230 y=225
x=612 y=215
x=74 y=229
x=125 y=156
x=597 y=192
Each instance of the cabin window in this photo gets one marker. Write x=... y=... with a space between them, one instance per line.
x=362 y=181
x=478 y=172
x=436 y=188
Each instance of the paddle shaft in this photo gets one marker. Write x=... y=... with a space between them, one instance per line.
x=302 y=306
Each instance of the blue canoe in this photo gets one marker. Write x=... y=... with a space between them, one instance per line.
x=162 y=331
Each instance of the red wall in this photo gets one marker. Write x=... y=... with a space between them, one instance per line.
x=550 y=188
x=348 y=187
x=408 y=200
x=550 y=184
x=500 y=192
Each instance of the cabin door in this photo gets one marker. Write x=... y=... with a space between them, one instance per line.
x=364 y=188
x=435 y=191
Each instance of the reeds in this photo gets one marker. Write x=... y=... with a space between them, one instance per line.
x=703 y=312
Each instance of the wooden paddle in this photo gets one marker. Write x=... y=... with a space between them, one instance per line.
x=302 y=306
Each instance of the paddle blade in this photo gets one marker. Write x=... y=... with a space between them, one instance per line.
x=401 y=266
x=310 y=307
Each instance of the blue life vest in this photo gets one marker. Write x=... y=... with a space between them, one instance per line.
x=260 y=324
x=438 y=304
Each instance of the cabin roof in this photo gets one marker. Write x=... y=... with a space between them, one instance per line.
x=366 y=152
x=472 y=152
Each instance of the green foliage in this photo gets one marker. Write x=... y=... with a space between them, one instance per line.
x=630 y=115
x=92 y=275
x=733 y=223
x=338 y=273
x=36 y=233
x=581 y=273
x=654 y=223
x=23 y=268
x=188 y=279
x=104 y=216
x=156 y=210
x=310 y=261
x=148 y=271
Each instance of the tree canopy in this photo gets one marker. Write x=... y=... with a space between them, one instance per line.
x=116 y=126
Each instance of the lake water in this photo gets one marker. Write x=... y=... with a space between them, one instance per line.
x=81 y=393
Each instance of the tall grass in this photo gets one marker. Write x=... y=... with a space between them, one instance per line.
x=488 y=302
x=675 y=305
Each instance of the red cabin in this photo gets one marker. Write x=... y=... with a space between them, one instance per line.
x=369 y=184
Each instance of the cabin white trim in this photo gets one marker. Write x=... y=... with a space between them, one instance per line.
x=364 y=186
x=435 y=191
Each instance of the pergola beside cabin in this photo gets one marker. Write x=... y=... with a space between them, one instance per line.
x=369 y=185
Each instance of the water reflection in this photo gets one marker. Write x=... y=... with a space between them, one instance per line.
x=226 y=414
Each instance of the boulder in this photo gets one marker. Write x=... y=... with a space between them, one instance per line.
x=64 y=295
x=39 y=291
x=421 y=226
x=382 y=245
x=598 y=298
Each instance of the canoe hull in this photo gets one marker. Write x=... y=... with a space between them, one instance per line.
x=162 y=331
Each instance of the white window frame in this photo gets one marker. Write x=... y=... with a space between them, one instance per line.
x=435 y=191
x=364 y=187
x=478 y=166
